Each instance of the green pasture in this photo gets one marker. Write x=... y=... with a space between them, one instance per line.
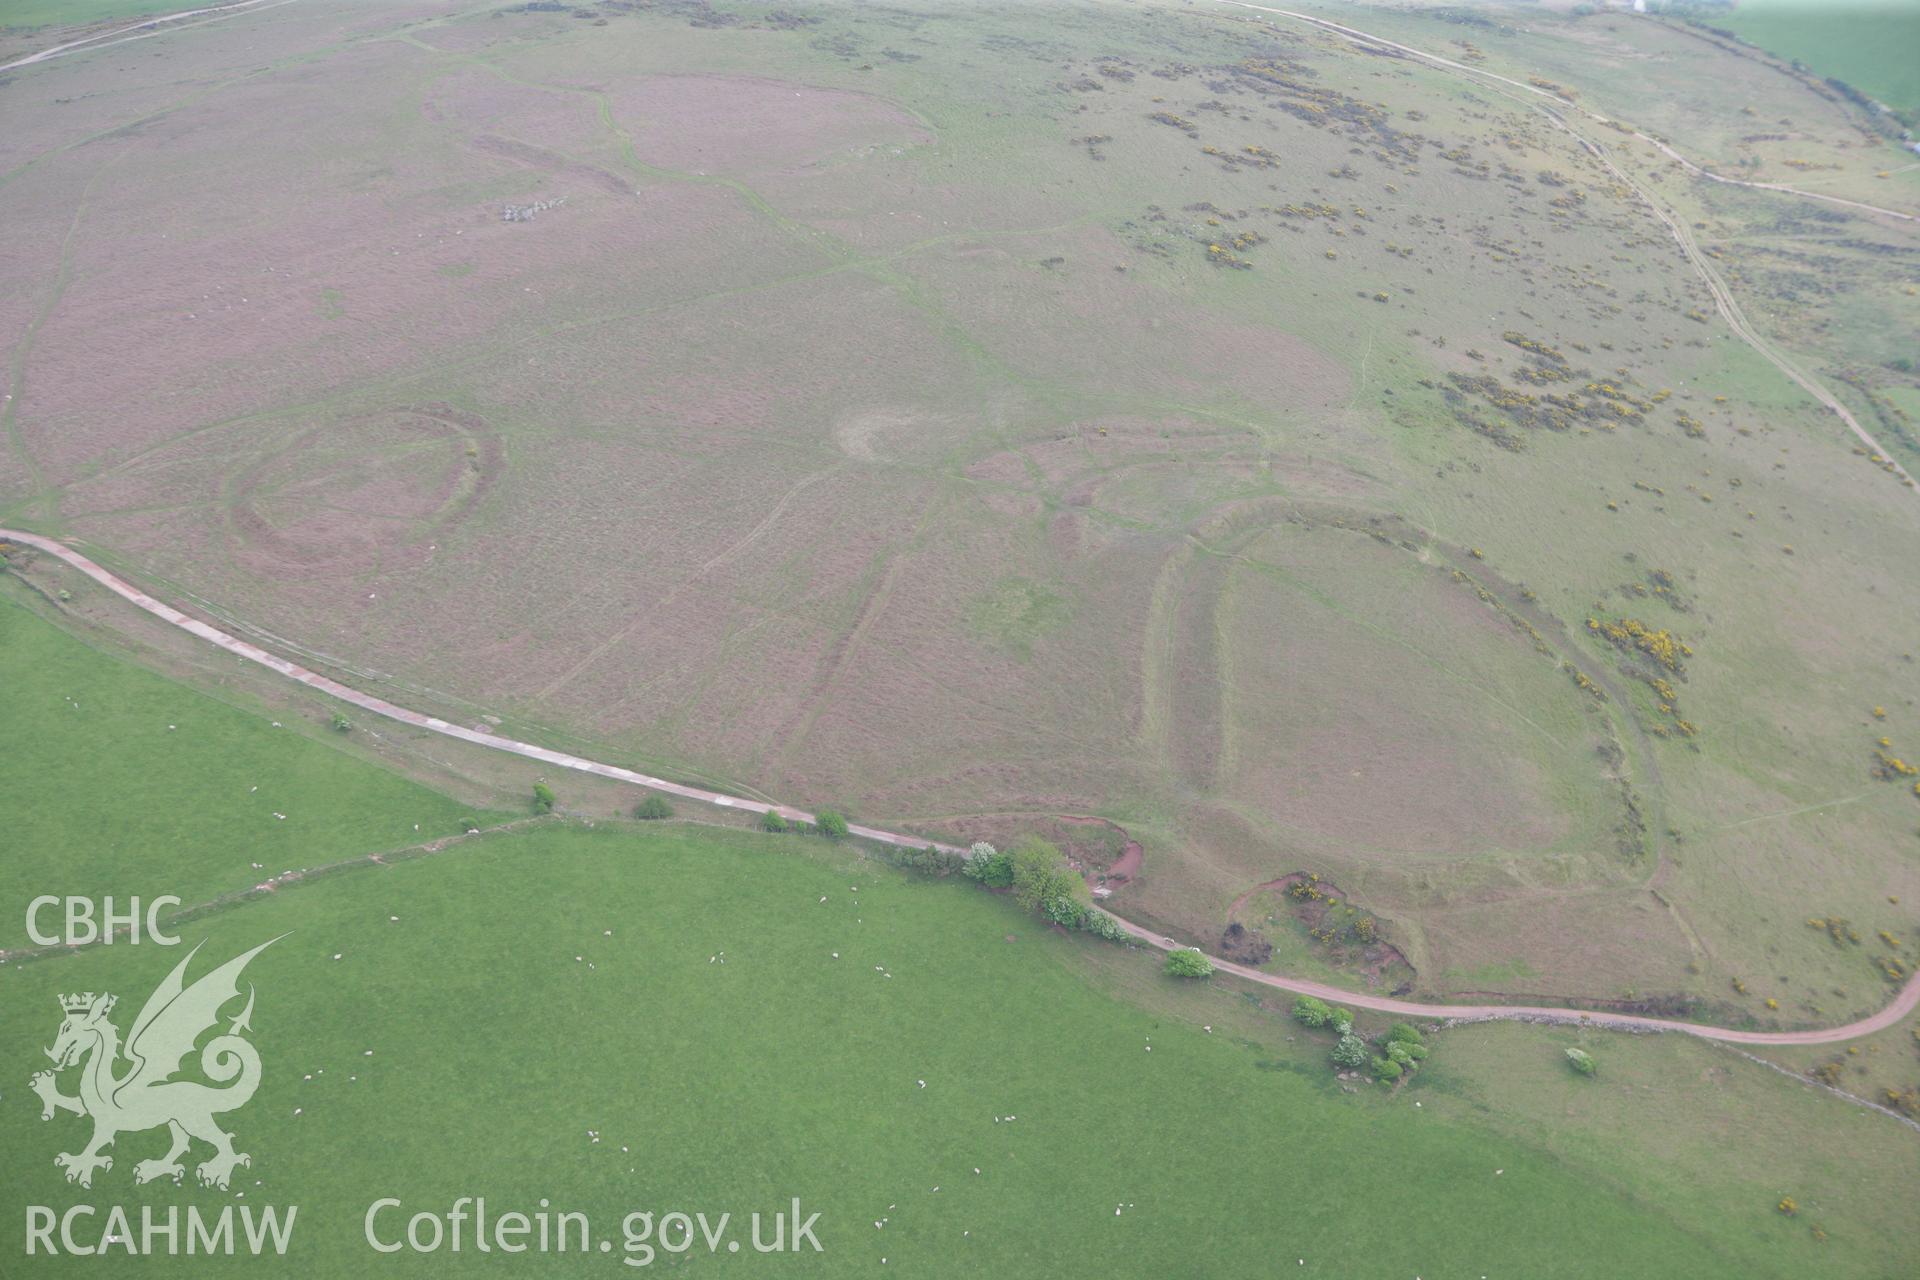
x=1868 y=45
x=123 y=782
x=677 y=996
x=48 y=13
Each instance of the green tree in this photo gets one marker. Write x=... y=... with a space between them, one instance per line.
x=1189 y=963
x=542 y=798
x=1582 y=1061
x=831 y=824
x=653 y=807
x=1386 y=1069
x=1403 y=1033
x=1312 y=1011
x=1041 y=874
x=771 y=821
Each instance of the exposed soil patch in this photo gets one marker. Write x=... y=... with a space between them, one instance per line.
x=1245 y=946
x=1123 y=868
x=885 y=432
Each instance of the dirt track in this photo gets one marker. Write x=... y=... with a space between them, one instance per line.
x=1902 y=1005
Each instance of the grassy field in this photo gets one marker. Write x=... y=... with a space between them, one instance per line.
x=1884 y=1067
x=1861 y=42
x=47 y=13
x=793 y=1071
x=793 y=1068
x=138 y=785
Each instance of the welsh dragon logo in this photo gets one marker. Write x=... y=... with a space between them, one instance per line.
x=145 y=1095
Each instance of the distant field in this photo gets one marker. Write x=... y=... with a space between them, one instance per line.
x=1867 y=43
x=979 y=418
x=973 y=415
x=45 y=13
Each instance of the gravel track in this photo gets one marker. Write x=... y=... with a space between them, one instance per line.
x=1902 y=1005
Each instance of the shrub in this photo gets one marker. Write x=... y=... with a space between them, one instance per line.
x=340 y=722
x=941 y=862
x=1064 y=912
x=1312 y=1012
x=830 y=823
x=1403 y=1033
x=1189 y=963
x=771 y=821
x=1342 y=1022
x=1350 y=1053
x=542 y=798
x=989 y=866
x=1101 y=925
x=932 y=861
x=653 y=807
x=470 y=825
x=1385 y=1069
x=1582 y=1061
x=998 y=873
